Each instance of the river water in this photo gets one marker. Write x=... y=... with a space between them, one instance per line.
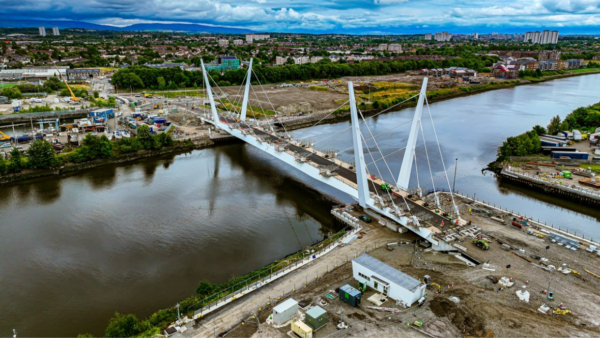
x=137 y=237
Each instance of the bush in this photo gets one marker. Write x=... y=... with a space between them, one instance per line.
x=41 y=155
x=123 y=326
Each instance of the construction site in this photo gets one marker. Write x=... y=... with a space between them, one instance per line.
x=502 y=281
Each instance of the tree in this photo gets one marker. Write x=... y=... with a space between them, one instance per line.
x=41 y=155
x=2 y=165
x=12 y=93
x=15 y=164
x=164 y=140
x=98 y=147
x=539 y=130
x=554 y=126
x=145 y=138
x=96 y=94
x=53 y=83
x=123 y=326
x=161 y=82
x=290 y=61
x=205 y=288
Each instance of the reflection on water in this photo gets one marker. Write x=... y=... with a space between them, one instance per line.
x=139 y=236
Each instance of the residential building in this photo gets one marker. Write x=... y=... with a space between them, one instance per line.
x=55 y=31
x=546 y=37
x=256 y=37
x=395 y=48
x=547 y=65
x=476 y=36
x=315 y=59
x=596 y=57
x=280 y=60
x=531 y=65
x=42 y=30
x=549 y=55
x=382 y=47
x=574 y=63
x=428 y=36
x=223 y=43
x=506 y=71
x=383 y=278
x=443 y=36
x=238 y=42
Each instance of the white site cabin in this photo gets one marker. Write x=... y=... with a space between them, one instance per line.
x=389 y=281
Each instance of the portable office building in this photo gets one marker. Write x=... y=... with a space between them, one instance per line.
x=285 y=311
x=387 y=280
x=316 y=317
x=350 y=295
x=301 y=329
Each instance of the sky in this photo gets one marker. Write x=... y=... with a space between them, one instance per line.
x=315 y=16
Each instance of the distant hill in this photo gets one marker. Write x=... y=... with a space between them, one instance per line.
x=176 y=27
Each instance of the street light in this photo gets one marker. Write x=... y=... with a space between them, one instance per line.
x=178 y=316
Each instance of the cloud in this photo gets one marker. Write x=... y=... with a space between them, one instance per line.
x=341 y=16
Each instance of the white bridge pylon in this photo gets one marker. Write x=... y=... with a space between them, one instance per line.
x=287 y=151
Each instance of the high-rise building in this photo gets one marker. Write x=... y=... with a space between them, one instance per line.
x=428 y=36
x=42 y=30
x=443 y=36
x=55 y=31
x=394 y=48
x=256 y=37
x=546 y=37
x=476 y=36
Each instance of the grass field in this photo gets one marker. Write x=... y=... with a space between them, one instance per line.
x=7 y=85
x=585 y=70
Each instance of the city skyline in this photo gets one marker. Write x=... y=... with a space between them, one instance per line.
x=331 y=16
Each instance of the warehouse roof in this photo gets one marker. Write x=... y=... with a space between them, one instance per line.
x=393 y=275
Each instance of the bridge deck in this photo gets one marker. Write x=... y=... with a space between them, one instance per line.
x=423 y=213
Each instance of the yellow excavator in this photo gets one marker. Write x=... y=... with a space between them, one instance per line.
x=73 y=97
x=4 y=137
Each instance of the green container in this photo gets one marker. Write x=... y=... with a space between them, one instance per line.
x=316 y=318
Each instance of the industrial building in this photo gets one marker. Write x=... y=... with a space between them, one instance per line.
x=82 y=74
x=285 y=311
x=391 y=282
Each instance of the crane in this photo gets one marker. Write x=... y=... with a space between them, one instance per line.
x=73 y=97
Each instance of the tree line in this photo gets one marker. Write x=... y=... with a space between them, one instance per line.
x=41 y=154
x=585 y=119
x=138 y=77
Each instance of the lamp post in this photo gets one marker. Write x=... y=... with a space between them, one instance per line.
x=178 y=316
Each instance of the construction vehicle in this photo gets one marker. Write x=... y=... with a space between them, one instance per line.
x=4 y=137
x=73 y=97
x=559 y=311
x=430 y=284
x=386 y=187
x=418 y=323
x=147 y=95
x=480 y=243
x=158 y=106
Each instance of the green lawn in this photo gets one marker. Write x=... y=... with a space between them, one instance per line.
x=7 y=85
x=585 y=70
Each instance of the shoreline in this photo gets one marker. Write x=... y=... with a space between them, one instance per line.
x=207 y=143
x=27 y=175
x=345 y=116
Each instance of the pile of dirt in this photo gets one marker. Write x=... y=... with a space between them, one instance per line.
x=184 y=119
x=463 y=317
x=295 y=108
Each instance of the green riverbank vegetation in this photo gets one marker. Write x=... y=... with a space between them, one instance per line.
x=584 y=119
x=41 y=154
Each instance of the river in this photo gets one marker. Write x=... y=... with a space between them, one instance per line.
x=137 y=237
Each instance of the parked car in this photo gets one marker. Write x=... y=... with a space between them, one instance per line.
x=365 y=218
